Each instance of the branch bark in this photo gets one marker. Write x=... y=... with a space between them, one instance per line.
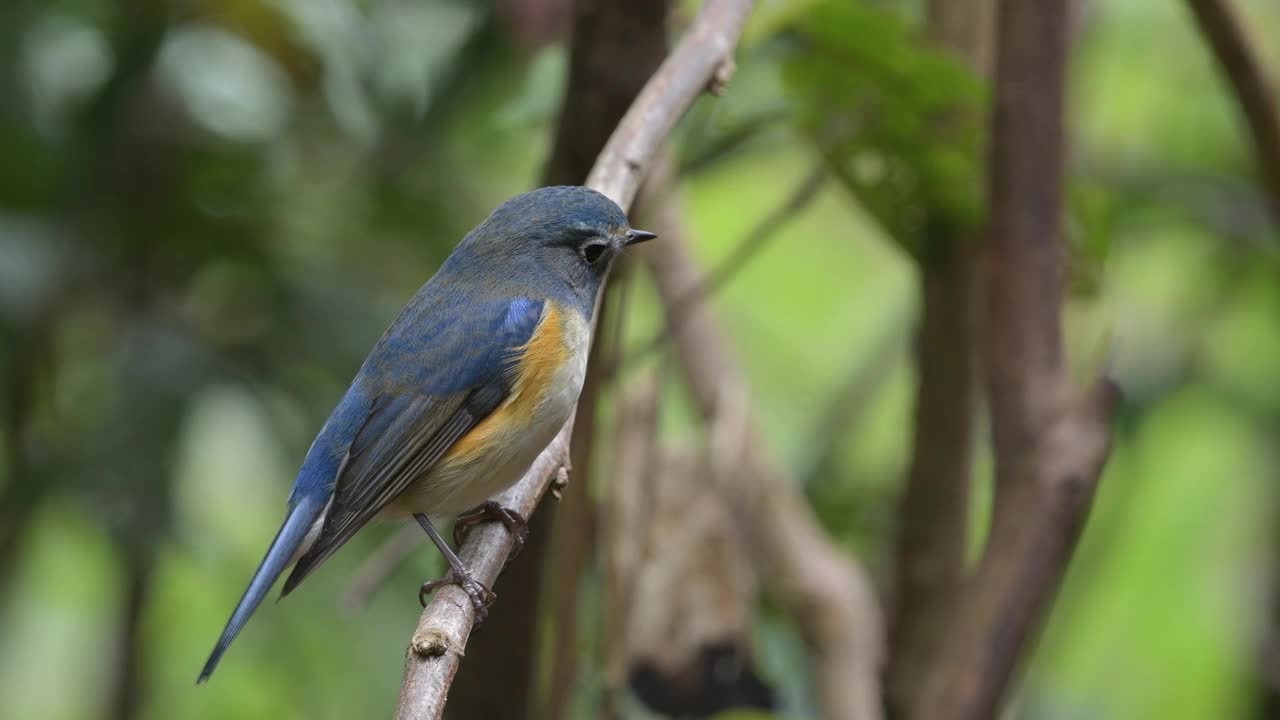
x=1243 y=69
x=1050 y=442
x=822 y=589
x=933 y=514
x=704 y=58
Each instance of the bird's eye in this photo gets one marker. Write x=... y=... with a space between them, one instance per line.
x=593 y=251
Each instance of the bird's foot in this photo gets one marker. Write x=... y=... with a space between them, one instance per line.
x=481 y=596
x=490 y=511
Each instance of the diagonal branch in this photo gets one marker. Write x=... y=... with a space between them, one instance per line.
x=1240 y=63
x=703 y=59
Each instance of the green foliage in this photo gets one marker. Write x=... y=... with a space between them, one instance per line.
x=205 y=225
x=896 y=120
x=1090 y=223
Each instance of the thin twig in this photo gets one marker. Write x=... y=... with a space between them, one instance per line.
x=704 y=55
x=702 y=61
x=1243 y=68
x=754 y=241
x=849 y=402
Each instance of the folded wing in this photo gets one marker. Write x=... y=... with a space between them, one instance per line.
x=407 y=433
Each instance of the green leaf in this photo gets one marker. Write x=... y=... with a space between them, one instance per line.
x=898 y=121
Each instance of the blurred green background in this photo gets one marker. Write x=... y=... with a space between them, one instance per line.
x=210 y=210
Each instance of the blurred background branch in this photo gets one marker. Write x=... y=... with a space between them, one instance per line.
x=1050 y=444
x=1245 y=71
x=747 y=249
x=935 y=508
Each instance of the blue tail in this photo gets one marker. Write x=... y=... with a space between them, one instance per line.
x=300 y=519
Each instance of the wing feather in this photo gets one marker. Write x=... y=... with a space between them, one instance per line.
x=403 y=436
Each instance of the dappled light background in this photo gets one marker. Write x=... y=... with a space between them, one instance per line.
x=209 y=212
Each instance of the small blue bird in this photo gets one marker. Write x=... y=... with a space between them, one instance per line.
x=461 y=393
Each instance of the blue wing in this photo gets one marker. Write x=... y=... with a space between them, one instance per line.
x=434 y=382
x=440 y=369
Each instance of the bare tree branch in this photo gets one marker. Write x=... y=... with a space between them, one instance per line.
x=1240 y=63
x=704 y=58
x=1050 y=442
x=822 y=589
x=702 y=61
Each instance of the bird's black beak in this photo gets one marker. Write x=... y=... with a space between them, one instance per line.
x=638 y=236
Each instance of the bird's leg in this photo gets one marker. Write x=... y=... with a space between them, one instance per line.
x=481 y=596
x=492 y=510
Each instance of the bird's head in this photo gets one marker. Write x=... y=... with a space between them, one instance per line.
x=566 y=233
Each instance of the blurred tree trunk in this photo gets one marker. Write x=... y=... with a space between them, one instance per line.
x=934 y=510
x=615 y=47
x=1050 y=441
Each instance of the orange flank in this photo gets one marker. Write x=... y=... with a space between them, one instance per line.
x=540 y=359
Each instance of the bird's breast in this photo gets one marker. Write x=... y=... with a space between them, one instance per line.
x=548 y=374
